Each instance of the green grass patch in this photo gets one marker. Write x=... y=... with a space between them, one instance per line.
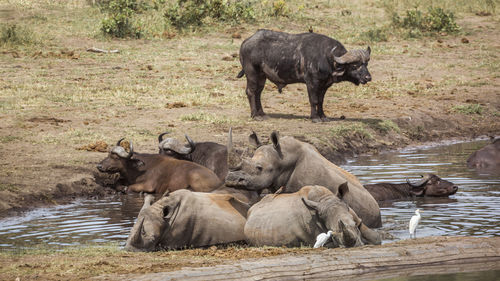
x=354 y=129
x=8 y=187
x=433 y=20
x=206 y=118
x=386 y=126
x=468 y=109
x=9 y=138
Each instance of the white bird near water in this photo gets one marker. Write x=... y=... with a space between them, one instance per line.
x=414 y=223
x=322 y=238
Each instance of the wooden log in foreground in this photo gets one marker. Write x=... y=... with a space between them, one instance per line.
x=430 y=255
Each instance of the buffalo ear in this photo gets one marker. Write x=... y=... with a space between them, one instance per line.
x=342 y=190
x=338 y=72
x=276 y=143
x=254 y=139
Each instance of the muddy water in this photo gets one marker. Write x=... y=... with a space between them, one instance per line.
x=474 y=210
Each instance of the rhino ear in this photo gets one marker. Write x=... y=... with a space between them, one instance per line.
x=310 y=204
x=254 y=139
x=369 y=50
x=276 y=143
x=343 y=190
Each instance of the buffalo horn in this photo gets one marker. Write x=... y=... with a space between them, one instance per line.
x=192 y=145
x=353 y=56
x=420 y=183
x=120 y=151
x=174 y=145
x=160 y=137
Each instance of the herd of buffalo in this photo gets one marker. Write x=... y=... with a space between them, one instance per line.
x=283 y=193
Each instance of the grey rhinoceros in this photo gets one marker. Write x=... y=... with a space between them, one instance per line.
x=188 y=219
x=295 y=219
x=291 y=163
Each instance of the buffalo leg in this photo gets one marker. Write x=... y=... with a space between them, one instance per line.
x=313 y=92
x=255 y=84
x=321 y=97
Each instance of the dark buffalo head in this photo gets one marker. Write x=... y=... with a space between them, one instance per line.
x=432 y=185
x=172 y=147
x=119 y=160
x=353 y=66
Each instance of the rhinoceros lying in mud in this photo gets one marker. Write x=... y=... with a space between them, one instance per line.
x=294 y=164
x=429 y=185
x=188 y=219
x=295 y=219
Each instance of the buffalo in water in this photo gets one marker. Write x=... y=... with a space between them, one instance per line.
x=155 y=173
x=295 y=219
x=293 y=164
x=486 y=158
x=208 y=154
x=430 y=186
x=310 y=58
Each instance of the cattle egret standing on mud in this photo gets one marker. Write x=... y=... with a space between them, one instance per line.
x=414 y=223
x=322 y=238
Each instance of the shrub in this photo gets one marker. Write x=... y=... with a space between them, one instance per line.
x=434 y=20
x=118 y=23
x=185 y=13
x=375 y=35
x=12 y=34
x=468 y=109
x=279 y=8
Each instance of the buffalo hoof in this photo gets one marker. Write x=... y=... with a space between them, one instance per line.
x=260 y=117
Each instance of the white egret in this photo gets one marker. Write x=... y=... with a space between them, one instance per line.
x=322 y=238
x=414 y=223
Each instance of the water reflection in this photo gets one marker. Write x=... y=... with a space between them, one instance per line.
x=473 y=210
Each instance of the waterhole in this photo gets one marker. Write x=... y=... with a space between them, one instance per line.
x=472 y=211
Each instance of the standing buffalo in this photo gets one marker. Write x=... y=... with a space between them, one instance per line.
x=295 y=219
x=294 y=164
x=429 y=185
x=155 y=173
x=187 y=219
x=209 y=154
x=487 y=157
x=310 y=58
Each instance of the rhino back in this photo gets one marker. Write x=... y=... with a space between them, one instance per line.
x=204 y=220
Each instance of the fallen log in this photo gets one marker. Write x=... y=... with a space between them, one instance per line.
x=408 y=257
x=97 y=50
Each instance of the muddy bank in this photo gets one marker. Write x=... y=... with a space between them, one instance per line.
x=409 y=257
x=84 y=181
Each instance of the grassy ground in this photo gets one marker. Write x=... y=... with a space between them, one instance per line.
x=55 y=97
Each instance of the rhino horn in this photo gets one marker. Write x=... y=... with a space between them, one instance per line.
x=147 y=202
x=234 y=161
x=350 y=239
x=370 y=236
x=135 y=235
